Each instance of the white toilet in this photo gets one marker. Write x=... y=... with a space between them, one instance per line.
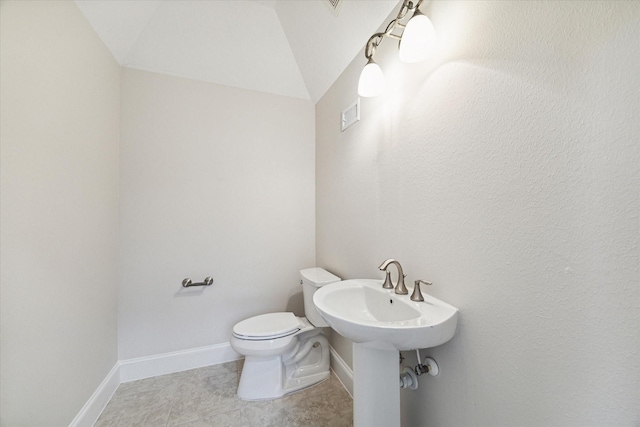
x=284 y=353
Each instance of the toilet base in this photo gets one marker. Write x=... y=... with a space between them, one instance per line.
x=271 y=377
x=297 y=384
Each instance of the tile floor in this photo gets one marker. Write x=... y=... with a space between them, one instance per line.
x=207 y=397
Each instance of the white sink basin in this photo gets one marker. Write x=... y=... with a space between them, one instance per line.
x=364 y=312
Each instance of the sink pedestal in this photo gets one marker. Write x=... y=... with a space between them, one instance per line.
x=376 y=385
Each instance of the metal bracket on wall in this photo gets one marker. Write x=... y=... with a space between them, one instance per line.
x=208 y=281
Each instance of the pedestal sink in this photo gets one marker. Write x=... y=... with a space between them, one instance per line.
x=381 y=323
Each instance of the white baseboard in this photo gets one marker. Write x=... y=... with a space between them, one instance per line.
x=342 y=371
x=150 y=366
x=167 y=363
x=91 y=410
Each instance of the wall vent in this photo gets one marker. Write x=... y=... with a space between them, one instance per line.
x=334 y=5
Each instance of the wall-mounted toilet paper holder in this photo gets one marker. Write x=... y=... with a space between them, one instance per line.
x=208 y=281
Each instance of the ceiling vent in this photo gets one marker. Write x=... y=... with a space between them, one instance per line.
x=334 y=5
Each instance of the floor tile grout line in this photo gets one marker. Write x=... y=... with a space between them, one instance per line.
x=172 y=400
x=202 y=374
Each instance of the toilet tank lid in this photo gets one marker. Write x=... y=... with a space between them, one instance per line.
x=318 y=276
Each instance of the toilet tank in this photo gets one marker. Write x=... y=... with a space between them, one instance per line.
x=312 y=279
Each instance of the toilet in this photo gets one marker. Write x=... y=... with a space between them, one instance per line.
x=284 y=353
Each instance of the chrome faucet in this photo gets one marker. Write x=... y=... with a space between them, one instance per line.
x=400 y=287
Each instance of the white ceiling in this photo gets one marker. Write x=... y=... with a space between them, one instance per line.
x=295 y=48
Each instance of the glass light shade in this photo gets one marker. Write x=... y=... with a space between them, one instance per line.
x=371 y=81
x=418 y=39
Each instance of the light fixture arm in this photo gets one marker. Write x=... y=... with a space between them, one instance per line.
x=375 y=40
x=413 y=46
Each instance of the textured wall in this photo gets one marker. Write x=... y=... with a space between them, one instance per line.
x=59 y=89
x=505 y=170
x=215 y=181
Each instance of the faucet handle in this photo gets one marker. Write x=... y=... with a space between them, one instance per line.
x=387 y=280
x=417 y=294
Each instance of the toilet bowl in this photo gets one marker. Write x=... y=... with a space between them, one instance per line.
x=284 y=353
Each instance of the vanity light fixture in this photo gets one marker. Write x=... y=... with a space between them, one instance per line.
x=416 y=43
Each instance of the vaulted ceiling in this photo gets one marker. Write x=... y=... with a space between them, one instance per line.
x=295 y=48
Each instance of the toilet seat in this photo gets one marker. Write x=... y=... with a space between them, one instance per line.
x=268 y=326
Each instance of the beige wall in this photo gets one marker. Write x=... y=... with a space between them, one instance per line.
x=505 y=171
x=59 y=133
x=215 y=181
